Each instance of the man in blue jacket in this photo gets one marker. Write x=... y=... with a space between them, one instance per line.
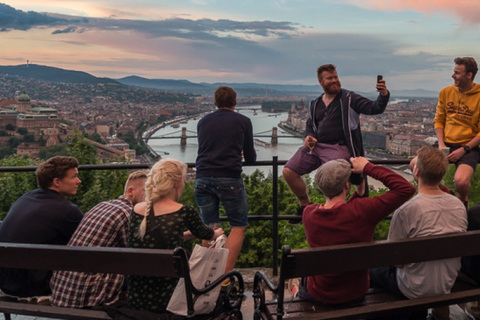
x=224 y=136
x=332 y=131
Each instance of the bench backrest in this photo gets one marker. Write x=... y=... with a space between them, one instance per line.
x=146 y=262
x=349 y=257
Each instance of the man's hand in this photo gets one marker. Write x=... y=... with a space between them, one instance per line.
x=309 y=142
x=382 y=87
x=358 y=164
x=456 y=155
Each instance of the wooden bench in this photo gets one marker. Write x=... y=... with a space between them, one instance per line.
x=298 y=263
x=146 y=262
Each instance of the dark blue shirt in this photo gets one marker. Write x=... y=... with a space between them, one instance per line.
x=222 y=136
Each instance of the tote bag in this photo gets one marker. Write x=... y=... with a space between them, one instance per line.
x=206 y=265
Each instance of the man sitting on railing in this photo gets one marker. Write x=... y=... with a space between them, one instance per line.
x=339 y=221
x=431 y=212
x=41 y=216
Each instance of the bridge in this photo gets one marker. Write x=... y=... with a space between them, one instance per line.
x=186 y=134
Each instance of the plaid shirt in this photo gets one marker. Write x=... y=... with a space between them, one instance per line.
x=105 y=225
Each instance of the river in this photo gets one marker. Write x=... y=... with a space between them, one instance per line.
x=263 y=122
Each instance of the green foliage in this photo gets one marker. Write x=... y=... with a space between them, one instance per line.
x=6 y=151
x=13 y=142
x=10 y=127
x=15 y=184
x=29 y=138
x=22 y=131
x=55 y=150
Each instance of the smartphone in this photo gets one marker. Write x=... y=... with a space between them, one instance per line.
x=379 y=77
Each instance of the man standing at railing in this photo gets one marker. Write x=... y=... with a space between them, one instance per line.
x=431 y=212
x=224 y=136
x=41 y=216
x=332 y=131
x=105 y=225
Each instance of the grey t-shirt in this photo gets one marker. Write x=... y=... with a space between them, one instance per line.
x=426 y=215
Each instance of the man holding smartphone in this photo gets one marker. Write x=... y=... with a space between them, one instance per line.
x=332 y=131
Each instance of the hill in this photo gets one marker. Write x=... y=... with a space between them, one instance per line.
x=52 y=74
x=164 y=84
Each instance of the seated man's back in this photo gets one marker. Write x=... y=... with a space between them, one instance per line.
x=41 y=216
x=105 y=225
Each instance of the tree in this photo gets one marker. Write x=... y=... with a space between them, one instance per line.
x=13 y=142
x=55 y=150
x=29 y=138
x=15 y=184
x=22 y=131
x=10 y=127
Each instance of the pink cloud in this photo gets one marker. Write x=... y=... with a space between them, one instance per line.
x=468 y=11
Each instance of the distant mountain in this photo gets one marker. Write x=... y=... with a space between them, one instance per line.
x=164 y=84
x=52 y=74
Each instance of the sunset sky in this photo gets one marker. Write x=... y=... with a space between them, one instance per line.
x=411 y=42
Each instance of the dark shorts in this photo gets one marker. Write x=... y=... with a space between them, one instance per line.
x=471 y=158
x=303 y=162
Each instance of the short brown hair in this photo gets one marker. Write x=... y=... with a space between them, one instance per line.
x=431 y=164
x=55 y=167
x=225 y=97
x=469 y=63
x=325 y=67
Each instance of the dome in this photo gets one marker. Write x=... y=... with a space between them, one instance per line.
x=23 y=97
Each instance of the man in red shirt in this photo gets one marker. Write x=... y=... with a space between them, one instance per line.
x=339 y=221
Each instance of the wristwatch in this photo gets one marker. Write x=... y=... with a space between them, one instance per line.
x=466 y=148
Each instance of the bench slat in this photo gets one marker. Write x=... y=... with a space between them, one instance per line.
x=51 y=312
x=342 y=258
x=148 y=262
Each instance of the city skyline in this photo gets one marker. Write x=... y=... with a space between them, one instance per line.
x=411 y=43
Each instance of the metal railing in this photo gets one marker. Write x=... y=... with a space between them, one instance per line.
x=275 y=164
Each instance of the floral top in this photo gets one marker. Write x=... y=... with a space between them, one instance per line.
x=163 y=232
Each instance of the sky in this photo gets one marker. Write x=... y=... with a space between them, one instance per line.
x=411 y=43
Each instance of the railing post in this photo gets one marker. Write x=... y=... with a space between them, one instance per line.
x=275 y=215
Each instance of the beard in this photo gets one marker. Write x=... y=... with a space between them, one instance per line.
x=333 y=88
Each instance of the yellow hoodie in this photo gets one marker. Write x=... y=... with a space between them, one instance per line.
x=458 y=114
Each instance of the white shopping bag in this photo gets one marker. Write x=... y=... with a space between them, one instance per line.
x=206 y=265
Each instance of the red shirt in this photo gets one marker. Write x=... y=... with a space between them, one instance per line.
x=351 y=222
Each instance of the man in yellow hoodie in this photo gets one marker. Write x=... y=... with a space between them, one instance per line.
x=457 y=123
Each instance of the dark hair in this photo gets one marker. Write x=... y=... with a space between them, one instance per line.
x=325 y=67
x=56 y=167
x=469 y=63
x=225 y=97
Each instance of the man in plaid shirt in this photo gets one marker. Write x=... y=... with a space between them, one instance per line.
x=105 y=225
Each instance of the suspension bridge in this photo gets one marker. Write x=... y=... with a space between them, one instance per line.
x=185 y=134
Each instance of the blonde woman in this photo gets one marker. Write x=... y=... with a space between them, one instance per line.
x=159 y=223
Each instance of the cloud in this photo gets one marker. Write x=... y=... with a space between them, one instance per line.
x=66 y=30
x=11 y=18
x=467 y=10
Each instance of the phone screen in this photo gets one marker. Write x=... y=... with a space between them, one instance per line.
x=379 y=77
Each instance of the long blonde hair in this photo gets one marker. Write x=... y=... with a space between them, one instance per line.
x=164 y=176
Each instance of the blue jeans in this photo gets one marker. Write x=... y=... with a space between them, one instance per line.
x=230 y=192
